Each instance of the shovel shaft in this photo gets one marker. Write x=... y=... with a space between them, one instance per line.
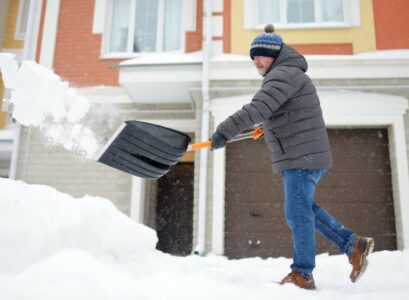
x=197 y=146
x=208 y=144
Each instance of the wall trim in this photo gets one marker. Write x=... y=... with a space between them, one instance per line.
x=189 y=15
x=137 y=199
x=98 y=22
x=49 y=34
x=340 y=109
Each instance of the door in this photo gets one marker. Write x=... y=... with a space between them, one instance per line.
x=174 y=210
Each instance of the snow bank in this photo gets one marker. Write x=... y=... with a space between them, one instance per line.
x=53 y=246
x=37 y=221
x=41 y=99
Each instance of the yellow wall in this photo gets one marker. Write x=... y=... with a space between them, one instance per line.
x=9 y=39
x=3 y=115
x=1 y=90
x=362 y=38
x=9 y=42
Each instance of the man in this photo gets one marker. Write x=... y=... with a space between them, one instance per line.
x=289 y=110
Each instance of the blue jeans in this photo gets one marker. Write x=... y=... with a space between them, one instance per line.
x=304 y=216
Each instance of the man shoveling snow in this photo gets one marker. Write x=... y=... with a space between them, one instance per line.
x=288 y=107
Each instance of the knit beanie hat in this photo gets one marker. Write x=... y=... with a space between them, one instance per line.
x=266 y=44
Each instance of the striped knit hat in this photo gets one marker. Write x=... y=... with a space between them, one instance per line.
x=266 y=44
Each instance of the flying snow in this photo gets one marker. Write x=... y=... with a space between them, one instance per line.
x=41 y=99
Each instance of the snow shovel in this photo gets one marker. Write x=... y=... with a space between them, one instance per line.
x=149 y=151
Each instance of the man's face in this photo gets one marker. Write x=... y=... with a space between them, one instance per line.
x=263 y=64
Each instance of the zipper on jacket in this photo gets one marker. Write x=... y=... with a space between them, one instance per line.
x=279 y=142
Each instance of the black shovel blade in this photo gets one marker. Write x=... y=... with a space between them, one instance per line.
x=145 y=150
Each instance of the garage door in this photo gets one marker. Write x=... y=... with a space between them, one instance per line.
x=357 y=190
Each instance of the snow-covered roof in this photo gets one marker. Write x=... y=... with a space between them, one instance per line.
x=377 y=55
x=177 y=73
x=196 y=57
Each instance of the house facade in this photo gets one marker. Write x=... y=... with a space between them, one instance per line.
x=184 y=64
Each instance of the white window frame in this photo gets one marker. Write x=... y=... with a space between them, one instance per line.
x=20 y=32
x=351 y=16
x=159 y=37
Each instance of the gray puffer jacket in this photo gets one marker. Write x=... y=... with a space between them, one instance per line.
x=288 y=107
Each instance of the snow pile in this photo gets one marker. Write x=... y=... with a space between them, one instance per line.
x=41 y=99
x=37 y=221
x=53 y=246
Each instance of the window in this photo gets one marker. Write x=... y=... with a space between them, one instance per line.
x=302 y=13
x=22 y=16
x=139 y=26
x=6 y=150
x=268 y=11
x=332 y=11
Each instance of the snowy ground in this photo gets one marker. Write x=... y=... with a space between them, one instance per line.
x=53 y=246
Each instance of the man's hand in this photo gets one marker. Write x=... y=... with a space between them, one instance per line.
x=218 y=141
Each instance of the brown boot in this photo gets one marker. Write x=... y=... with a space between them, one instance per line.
x=363 y=247
x=299 y=280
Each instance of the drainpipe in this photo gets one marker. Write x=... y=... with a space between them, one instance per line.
x=206 y=49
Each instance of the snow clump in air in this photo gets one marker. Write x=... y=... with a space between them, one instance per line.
x=41 y=99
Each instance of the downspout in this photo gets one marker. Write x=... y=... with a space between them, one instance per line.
x=206 y=50
x=30 y=43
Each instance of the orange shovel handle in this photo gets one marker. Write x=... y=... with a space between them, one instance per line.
x=257 y=133
x=197 y=146
x=208 y=144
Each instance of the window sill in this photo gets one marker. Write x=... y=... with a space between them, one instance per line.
x=119 y=56
x=124 y=55
x=164 y=58
x=308 y=26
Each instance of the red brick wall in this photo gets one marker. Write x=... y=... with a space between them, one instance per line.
x=324 y=49
x=391 y=24
x=77 y=52
x=194 y=39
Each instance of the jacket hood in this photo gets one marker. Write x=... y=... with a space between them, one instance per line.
x=290 y=58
